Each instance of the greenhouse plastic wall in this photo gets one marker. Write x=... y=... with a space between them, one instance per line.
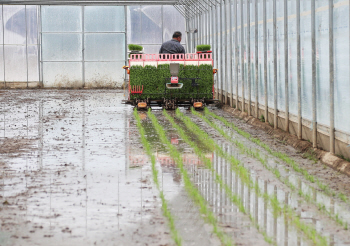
x=83 y=46
x=19 y=49
x=283 y=61
x=151 y=25
x=78 y=46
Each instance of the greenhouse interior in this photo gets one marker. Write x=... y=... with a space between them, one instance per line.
x=276 y=77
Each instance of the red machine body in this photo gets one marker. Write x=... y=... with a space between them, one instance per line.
x=174 y=80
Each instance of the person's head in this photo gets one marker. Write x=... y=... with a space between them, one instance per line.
x=177 y=35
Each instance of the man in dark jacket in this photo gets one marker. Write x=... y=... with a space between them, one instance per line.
x=173 y=46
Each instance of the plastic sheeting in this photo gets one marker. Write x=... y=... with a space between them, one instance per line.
x=341 y=56
x=152 y=25
x=97 y=17
x=281 y=104
x=18 y=44
x=93 y=46
x=306 y=60
x=322 y=59
x=341 y=67
x=61 y=18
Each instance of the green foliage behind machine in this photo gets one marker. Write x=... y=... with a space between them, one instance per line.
x=197 y=82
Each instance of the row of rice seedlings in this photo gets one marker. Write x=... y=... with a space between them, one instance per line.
x=148 y=149
x=208 y=163
x=256 y=154
x=309 y=231
x=279 y=155
x=191 y=189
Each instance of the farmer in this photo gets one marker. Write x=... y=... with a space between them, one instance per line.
x=173 y=46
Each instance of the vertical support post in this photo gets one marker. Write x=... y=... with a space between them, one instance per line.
x=195 y=37
x=286 y=80
x=236 y=51
x=299 y=71
x=313 y=44
x=226 y=52
x=126 y=39
x=39 y=38
x=242 y=55
x=187 y=35
x=231 y=55
x=161 y=16
x=205 y=27
x=200 y=28
x=265 y=62
x=222 y=73
x=25 y=16
x=275 y=120
x=3 y=46
x=216 y=41
x=83 y=44
x=210 y=26
x=248 y=56
x=331 y=79
x=256 y=61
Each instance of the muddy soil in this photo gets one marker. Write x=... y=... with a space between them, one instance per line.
x=73 y=172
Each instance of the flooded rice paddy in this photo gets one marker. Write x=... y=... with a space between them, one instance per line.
x=80 y=168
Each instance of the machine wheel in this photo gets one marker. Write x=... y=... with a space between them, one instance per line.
x=137 y=104
x=170 y=104
x=198 y=101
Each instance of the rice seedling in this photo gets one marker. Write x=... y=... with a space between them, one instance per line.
x=203 y=47
x=309 y=231
x=256 y=154
x=135 y=47
x=208 y=163
x=148 y=149
x=277 y=154
x=191 y=189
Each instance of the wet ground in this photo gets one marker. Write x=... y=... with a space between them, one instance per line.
x=74 y=172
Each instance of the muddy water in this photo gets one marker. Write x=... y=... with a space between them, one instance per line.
x=73 y=172
x=67 y=177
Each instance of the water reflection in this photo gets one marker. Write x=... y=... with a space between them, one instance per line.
x=68 y=169
x=276 y=225
x=83 y=161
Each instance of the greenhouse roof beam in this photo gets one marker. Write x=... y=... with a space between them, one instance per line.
x=90 y=2
x=190 y=9
x=194 y=5
x=209 y=3
x=200 y=6
x=181 y=11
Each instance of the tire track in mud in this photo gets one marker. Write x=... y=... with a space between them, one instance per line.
x=255 y=153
